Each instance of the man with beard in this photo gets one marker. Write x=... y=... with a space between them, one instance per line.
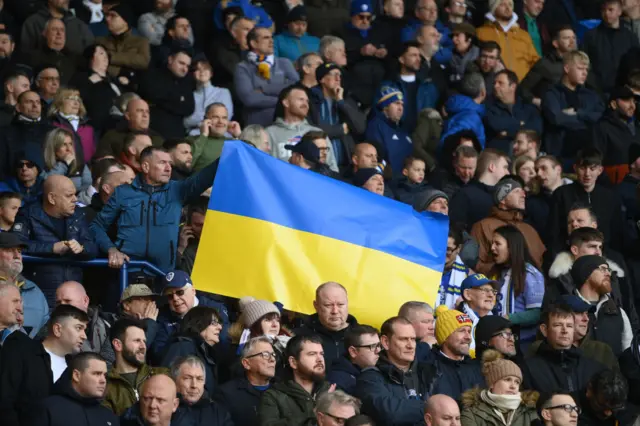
x=129 y=371
x=181 y=157
x=292 y=401
x=35 y=306
x=494 y=332
x=394 y=392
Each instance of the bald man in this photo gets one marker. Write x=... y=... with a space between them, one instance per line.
x=158 y=401
x=55 y=228
x=138 y=117
x=441 y=410
x=365 y=156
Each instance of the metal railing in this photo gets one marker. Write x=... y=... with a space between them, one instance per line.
x=98 y=263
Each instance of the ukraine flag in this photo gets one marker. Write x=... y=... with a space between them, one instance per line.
x=276 y=232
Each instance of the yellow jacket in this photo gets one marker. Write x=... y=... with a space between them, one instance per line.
x=518 y=53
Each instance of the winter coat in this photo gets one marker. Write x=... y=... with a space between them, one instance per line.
x=517 y=51
x=332 y=341
x=29 y=195
x=483 y=230
x=36 y=229
x=511 y=119
x=34 y=305
x=133 y=417
x=423 y=93
x=477 y=412
x=203 y=97
x=171 y=100
x=392 y=142
x=22 y=140
x=120 y=395
x=128 y=52
x=84 y=137
x=205 y=412
x=459 y=62
x=241 y=399
x=613 y=135
x=112 y=142
x=454 y=377
x=405 y=191
x=603 y=201
x=326 y=16
x=286 y=45
x=630 y=367
x=148 y=217
x=65 y=61
x=597 y=351
x=282 y=133
x=68 y=408
x=25 y=379
x=472 y=203
x=169 y=324
x=78 y=35
x=258 y=96
x=464 y=114
x=387 y=399
x=557 y=123
x=631 y=208
x=81 y=178
x=606 y=46
x=152 y=25
x=98 y=98
x=206 y=150
x=344 y=374
x=288 y=404
x=551 y=369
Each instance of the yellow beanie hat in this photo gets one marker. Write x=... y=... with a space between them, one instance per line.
x=448 y=321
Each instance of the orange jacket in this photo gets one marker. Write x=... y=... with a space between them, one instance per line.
x=518 y=53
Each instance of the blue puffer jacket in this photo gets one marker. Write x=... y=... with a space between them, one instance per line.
x=35 y=228
x=393 y=142
x=35 y=306
x=464 y=114
x=443 y=56
x=344 y=374
x=286 y=45
x=148 y=217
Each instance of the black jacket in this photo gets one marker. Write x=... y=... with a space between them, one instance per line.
x=6 y=114
x=613 y=136
x=133 y=417
x=500 y=118
x=25 y=379
x=98 y=98
x=332 y=341
x=472 y=203
x=22 y=140
x=67 y=408
x=606 y=46
x=455 y=377
x=551 y=369
x=205 y=412
x=343 y=374
x=241 y=399
x=170 y=99
x=187 y=344
x=630 y=367
x=65 y=61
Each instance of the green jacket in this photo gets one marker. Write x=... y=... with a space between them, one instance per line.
x=476 y=412
x=120 y=395
x=597 y=351
x=206 y=150
x=288 y=404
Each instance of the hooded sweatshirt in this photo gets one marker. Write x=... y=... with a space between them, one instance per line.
x=464 y=114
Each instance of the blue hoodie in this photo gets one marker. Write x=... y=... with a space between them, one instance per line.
x=464 y=114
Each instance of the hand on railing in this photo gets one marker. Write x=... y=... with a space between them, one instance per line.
x=117 y=258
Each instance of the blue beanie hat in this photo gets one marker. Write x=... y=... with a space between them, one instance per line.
x=360 y=6
x=389 y=95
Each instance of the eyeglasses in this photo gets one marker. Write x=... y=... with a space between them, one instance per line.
x=566 y=407
x=451 y=249
x=23 y=164
x=372 y=347
x=488 y=57
x=72 y=98
x=486 y=290
x=338 y=420
x=605 y=269
x=506 y=335
x=367 y=18
x=325 y=149
x=178 y=293
x=264 y=355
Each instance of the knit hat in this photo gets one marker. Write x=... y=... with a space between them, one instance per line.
x=620 y=92
x=634 y=152
x=360 y=6
x=298 y=13
x=448 y=321
x=584 y=266
x=244 y=302
x=363 y=175
x=388 y=95
x=256 y=310
x=424 y=198
x=493 y=5
x=325 y=69
x=495 y=367
x=125 y=13
x=504 y=188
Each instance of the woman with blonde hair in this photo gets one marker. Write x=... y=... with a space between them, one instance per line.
x=68 y=112
x=60 y=159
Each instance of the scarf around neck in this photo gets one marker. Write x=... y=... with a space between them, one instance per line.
x=97 y=15
x=502 y=403
x=264 y=63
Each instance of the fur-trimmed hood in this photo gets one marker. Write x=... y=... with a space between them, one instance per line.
x=471 y=398
x=564 y=261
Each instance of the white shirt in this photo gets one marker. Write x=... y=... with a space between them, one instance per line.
x=58 y=365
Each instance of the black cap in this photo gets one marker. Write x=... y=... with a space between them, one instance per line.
x=125 y=13
x=487 y=327
x=298 y=13
x=621 y=92
x=575 y=303
x=308 y=149
x=363 y=175
x=10 y=240
x=325 y=69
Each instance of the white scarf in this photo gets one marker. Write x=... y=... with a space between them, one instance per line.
x=253 y=57
x=449 y=293
x=96 y=11
x=506 y=299
x=500 y=403
x=74 y=120
x=475 y=318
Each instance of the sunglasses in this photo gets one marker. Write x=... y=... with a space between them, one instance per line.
x=27 y=164
x=178 y=293
x=366 y=18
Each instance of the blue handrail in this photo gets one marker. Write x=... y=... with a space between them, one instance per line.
x=124 y=277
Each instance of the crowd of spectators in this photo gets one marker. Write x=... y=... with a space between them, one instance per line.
x=516 y=119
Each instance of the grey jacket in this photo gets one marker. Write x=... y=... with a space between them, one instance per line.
x=152 y=26
x=81 y=181
x=259 y=96
x=79 y=36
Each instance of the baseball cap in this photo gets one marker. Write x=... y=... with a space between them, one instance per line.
x=307 y=149
x=177 y=279
x=137 y=290
x=576 y=304
x=621 y=92
x=11 y=240
x=477 y=280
